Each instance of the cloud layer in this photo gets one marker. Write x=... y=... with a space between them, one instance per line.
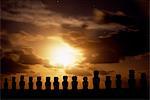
x=105 y=36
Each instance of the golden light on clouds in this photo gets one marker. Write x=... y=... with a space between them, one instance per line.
x=64 y=55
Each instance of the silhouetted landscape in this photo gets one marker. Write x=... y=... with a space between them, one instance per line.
x=96 y=49
x=96 y=92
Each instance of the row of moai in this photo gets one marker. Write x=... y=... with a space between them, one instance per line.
x=96 y=82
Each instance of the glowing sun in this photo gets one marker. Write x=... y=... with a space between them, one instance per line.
x=62 y=54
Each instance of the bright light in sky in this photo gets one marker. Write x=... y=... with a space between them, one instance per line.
x=62 y=54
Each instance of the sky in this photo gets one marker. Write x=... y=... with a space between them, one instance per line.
x=112 y=37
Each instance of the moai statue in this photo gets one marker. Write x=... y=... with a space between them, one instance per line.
x=5 y=87
x=85 y=83
x=48 y=83
x=108 y=82
x=39 y=83
x=96 y=80
x=131 y=80
x=74 y=83
x=22 y=82
x=6 y=84
x=30 y=83
x=143 y=81
x=65 y=83
x=13 y=83
x=56 y=83
x=118 y=81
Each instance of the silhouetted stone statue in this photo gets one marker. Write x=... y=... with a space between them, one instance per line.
x=6 y=84
x=131 y=92
x=118 y=81
x=131 y=80
x=74 y=83
x=5 y=87
x=56 y=83
x=48 y=83
x=85 y=83
x=13 y=91
x=21 y=85
x=30 y=83
x=108 y=82
x=65 y=83
x=39 y=83
x=131 y=74
x=13 y=83
x=22 y=82
x=96 y=80
x=143 y=81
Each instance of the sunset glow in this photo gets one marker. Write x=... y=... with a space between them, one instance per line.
x=92 y=42
x=62 y=54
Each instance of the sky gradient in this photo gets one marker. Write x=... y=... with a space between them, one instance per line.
x=113 y=36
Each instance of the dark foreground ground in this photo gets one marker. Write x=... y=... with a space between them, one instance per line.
x=102 y=93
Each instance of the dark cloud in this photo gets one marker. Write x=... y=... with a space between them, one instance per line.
x=47 y=17
x=19 y=60
x=12 y=27
x=24 y=56
x=9 y=66
x=105 y=16
x=121 y=45
x=13 y=51
x=132 y=43
x=84 y=8
x=4 y=41
x=106 y=35
x=30 y=59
